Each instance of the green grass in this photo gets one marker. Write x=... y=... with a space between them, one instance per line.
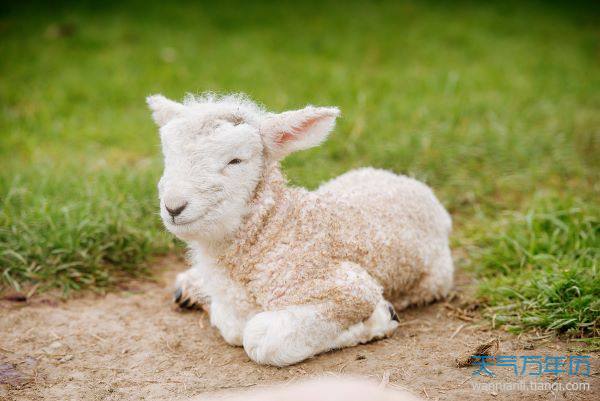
x=495 y=105
x=82 y=230
x=539 y=269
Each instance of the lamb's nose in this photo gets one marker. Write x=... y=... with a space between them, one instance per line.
x=176 y=211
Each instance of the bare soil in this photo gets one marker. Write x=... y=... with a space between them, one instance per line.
x=133 y=344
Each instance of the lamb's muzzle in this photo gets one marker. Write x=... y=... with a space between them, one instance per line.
x=284 y=272
x=176 y=211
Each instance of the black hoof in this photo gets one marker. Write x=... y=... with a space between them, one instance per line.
x=393 y=313
x=184 y=303
x=177 y=295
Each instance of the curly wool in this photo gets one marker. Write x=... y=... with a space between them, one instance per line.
x=289 y=249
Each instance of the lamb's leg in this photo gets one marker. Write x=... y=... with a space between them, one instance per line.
x=226 y=303
x=291 y=335
x=380 y=324
x=350 y=312
x=189 y=290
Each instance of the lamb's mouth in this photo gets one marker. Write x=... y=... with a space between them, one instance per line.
x=186 y=223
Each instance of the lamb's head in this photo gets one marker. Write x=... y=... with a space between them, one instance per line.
x=216 y=150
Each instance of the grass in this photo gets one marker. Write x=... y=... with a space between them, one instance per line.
x=495 y=105
x=539 y=269
x=84 y=230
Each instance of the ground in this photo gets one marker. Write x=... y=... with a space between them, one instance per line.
x=495 y=105
x=134 y=344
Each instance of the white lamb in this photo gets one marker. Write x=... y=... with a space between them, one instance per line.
x=286 y=272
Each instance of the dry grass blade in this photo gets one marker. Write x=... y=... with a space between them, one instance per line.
x=489 y=348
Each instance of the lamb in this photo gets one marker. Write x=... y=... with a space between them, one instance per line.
x=285 y=272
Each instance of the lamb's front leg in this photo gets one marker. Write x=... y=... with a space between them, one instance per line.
x=207 y=286
x=351 y=311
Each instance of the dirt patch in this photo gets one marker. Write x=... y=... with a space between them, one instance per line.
x=134 y=344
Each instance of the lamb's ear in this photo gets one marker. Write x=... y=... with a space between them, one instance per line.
x=163 y=109
x=287 y=132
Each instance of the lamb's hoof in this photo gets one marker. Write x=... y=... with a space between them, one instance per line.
x=183 y=301
x=177 y=295
x=393 y=313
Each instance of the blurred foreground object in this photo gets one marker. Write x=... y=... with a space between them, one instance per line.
x=319 y=389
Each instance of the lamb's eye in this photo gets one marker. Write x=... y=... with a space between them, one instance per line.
x=234 y=161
